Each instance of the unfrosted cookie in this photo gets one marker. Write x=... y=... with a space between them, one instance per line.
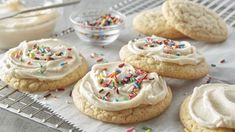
x=42 y=65
x=211 y=125
x=195 y=20
x=124 y=102
x=152 y=22
x=152 y=54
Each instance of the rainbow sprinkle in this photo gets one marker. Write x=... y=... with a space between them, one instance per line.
x=38 y=53
x=105 y=20
x=114 y=79
x=151 y=42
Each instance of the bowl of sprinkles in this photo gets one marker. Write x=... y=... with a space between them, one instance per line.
x=98 y=26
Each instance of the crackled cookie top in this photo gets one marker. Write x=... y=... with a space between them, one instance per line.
x=213 y=105
x=118 y=86
x=152 y=22
x=195 y=20
x=166 y=50
x=46 y=59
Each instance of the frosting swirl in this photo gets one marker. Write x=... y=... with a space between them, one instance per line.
x=166 y=50
x=117 y=86
x=46 y=59
x=213 y=105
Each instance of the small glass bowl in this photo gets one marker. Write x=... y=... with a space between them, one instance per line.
x=98 y=35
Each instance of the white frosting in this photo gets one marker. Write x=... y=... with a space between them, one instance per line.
x=52 y=59
x=174 y=52
x=213 y=105
x=24 y=20
x=150 y=91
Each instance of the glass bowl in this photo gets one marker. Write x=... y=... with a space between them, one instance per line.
x=29 y=26
x=97 y=35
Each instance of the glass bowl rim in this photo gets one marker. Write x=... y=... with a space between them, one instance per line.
x=122 y=17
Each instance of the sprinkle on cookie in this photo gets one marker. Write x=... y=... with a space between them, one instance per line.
x=114 y=79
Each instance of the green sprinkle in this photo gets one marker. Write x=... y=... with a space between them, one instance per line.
x=32 y=55
x=213 y=65
x=116 y=100
x=113 y=83
x=147 y=129
x=132 y=79
x=177 y=54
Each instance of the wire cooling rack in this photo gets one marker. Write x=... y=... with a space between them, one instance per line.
x=21 y=104
x=225 y=8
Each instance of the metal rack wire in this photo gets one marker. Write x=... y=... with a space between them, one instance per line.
x=21 y=104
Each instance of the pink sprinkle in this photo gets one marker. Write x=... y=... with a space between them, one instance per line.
x=131 y=95
x=69 y=49
x=131 y=129
x=99 y=59
x=121 y=65
x=29 y=62
x=222 y=61
x=70 y=57
x=17 y=56
x=60 y=89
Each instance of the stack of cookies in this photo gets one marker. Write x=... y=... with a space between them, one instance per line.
x=181 y=19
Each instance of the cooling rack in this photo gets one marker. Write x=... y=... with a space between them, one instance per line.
x=225 y=8
x=21 y=104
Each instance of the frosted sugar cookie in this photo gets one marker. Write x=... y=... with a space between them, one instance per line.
x=152 y=22
x=118 y=93
x=41 y=65
x=176 y=59
x=195 y=20
x=209 y=109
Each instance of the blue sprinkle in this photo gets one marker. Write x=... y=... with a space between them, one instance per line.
x=62 y=64
x=118 y=71
x=136 y=85
x=42 y=50
x=181 y=45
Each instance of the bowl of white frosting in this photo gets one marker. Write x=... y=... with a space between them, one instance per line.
x=28 y=26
